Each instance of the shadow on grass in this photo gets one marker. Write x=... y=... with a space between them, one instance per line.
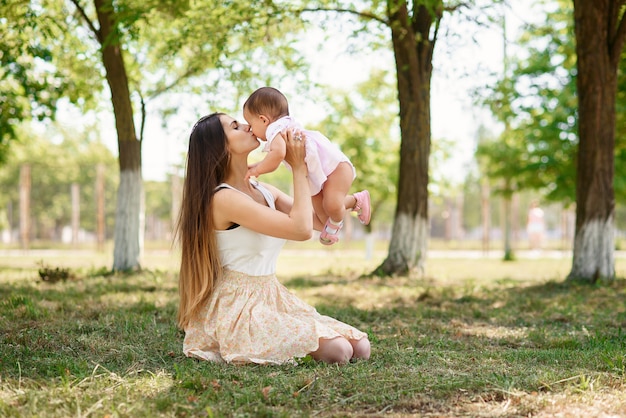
x=312 y=282
x=83 y=286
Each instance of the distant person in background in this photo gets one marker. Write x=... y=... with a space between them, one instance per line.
x=535 y=226
x=330 y=171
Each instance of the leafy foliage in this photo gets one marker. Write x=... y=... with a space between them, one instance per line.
x=538 y=101
x=51 y=49
x=363 y=123
x=219 y=51
x=29 y=84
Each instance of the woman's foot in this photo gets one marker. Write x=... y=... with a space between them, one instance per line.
x=363 y=206
x=330 y=232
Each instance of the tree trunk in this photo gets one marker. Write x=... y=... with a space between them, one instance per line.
x=515 y=220
x=506 y=228
x=75 y=193
x=598 y=48
x=25 y=223
x=127 y=251
x=413 y=54
x=485 y=211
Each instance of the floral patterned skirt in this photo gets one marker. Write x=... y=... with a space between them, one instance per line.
x=255 y=319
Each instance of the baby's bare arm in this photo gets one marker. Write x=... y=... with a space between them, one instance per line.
x=272 y=160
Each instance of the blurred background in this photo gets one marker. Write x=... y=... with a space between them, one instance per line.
x=60 y=175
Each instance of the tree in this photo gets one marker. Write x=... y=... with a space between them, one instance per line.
x=159 y=201
x=500 y=160
x=600 y=28
x=542 y=92
x=566 y=100
x=414 y=29
x=413 y=36
x=143 y=50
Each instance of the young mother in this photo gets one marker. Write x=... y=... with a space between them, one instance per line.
x=231 y=230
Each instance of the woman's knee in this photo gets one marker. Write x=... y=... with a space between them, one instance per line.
x=361 y=349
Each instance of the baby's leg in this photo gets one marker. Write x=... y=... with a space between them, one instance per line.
x=350 y=202
x=320 y=213
x=335 y=191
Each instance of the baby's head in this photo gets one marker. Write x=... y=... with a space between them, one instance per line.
x=263 y=107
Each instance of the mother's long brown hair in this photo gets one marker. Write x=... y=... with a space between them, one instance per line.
x=207 y=162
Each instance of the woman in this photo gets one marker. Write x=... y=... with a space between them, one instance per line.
x=231 y=230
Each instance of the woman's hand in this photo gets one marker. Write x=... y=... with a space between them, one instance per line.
x=295 y=141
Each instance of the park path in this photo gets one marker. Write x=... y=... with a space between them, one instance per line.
x=460 y=253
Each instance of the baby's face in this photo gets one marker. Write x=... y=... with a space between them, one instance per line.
x=257 y=124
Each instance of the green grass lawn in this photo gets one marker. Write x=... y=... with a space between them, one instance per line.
x=473 y=337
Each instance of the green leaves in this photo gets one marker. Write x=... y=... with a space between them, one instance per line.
x=363 y=123
x=538 y=99
x=28 y=84
x=537 y=102
x=50 y=50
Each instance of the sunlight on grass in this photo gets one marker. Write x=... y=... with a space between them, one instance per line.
x=492 y=332
x=97 y=392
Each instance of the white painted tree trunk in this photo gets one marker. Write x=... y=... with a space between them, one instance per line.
x=593 y=257
x=129 y=222
x=600 y=36
x=409 y=243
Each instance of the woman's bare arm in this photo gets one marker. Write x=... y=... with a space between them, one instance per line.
x=284 y=202
x=272 y=160
x=294 y=222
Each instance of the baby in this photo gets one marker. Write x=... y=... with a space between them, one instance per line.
x=330 y=171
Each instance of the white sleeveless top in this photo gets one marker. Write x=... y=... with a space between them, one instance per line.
x=247 y=251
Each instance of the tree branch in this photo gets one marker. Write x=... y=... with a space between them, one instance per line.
x=143 y=117
x=165 y=88
x=365 y=15
x=617 y=43
x=80 y=10
x=433 y=41
x=455 y=7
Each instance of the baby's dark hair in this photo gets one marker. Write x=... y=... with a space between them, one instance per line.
x=267 y=101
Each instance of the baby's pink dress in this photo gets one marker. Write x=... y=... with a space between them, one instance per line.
x=322 y=156
x=251 y=317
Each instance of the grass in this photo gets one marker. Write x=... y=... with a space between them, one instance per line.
x=475 y=337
